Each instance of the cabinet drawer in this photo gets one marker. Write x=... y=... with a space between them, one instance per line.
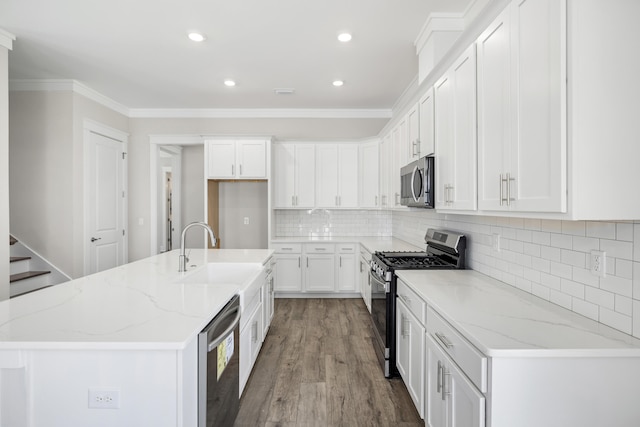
x=346 y=248
x=319 y=248
x=462 y=352
x=287 y=248
x=414 y=303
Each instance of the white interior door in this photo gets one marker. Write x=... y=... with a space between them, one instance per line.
x=106 y=203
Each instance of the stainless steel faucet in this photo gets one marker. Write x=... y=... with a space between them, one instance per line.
x=183 y=260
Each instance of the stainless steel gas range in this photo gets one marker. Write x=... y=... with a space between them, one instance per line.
x=445 y=250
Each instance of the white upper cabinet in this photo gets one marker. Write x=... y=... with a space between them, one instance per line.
x=337 y=175
x=413 y=132
x=294 y=175
x=455 y=124
x=386 y=159
x=522 y=145
x=369 y=175
x=426 y=146
x=236 y=159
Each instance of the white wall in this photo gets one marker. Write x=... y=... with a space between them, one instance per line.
x=4 y=172
x=549 y=259
x=141 y=129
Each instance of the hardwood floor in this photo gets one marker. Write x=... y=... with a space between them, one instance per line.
x=317 y=367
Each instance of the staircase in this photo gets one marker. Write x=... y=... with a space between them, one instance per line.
x=25 y=274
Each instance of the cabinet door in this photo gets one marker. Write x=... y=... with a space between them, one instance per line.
x=427 y=126
x=398 y=152
x=251 y=159
x=364 y=282
x=385 y=168
x=444 y=140
x=305 y=166
x=410 y=354
x=413 y=130
x=288 y=273
x=463 y=191
x=222 y=159
x=369 y=175
x=435 y=410
x=466 y=405
x=538 y=157
x=494 y=113
x=348 y=176
x=319 y=273
x=346 y=272
x=402 y=340
x=284 y=175
x=327 y=175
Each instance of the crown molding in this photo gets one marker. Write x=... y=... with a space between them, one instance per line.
x=6 y=39
x=61 y=85
x=58 y=85
x=454 y=22
x=260 y=113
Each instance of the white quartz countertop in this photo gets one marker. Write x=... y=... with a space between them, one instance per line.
x=371 y=243
x=502 y=321
x=146 y=304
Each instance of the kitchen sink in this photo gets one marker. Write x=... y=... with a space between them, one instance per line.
x=237 y=273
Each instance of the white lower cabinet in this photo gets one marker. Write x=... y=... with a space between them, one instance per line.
x=315 y=267
x=410 y=334
x=452 y=400
x=363 y=272
x=250 y=343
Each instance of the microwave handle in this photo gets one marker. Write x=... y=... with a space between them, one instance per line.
x=413 y=177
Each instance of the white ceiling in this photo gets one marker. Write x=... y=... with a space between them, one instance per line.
x=136 y=51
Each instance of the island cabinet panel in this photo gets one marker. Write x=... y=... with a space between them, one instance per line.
x=156 y=387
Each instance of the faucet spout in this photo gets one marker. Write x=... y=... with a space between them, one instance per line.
x=183 y=260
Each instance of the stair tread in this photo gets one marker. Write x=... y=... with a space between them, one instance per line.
x=12 y=240
x=26 y=275
x=18 y=258
x=32 y=290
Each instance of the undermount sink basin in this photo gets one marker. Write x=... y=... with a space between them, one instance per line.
x=218 y=273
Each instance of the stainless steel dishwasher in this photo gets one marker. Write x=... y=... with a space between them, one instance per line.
x=219 y=368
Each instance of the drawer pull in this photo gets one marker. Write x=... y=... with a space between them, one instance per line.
x=321 y=249
x=287 y=249
x=444 y=340
x=439 y=376
x=445 y=374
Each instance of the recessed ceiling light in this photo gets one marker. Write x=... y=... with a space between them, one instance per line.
x=344 y=37
x=284 y=91
x=229 y=83
x=196 y=37
x=338 y=83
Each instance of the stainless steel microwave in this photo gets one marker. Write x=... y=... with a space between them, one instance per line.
x=416 y=183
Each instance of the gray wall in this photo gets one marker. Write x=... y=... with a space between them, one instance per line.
x=46 y=174
x=4 y=172
x=192 y=204
x=239 y=200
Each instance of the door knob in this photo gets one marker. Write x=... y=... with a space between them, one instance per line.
x=93 y=239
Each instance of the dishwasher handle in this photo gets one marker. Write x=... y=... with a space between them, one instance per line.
x=217 y=340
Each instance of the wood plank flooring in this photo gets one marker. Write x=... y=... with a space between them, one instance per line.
x=317 y=367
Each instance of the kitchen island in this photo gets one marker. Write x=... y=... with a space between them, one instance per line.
x=131 y=329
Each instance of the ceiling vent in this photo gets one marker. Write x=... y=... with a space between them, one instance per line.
x=284 y=91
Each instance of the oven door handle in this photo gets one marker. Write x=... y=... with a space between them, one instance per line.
x=380 y=282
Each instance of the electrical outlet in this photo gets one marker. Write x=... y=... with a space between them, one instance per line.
x=101 y=398
x=598 y=263
x=246 y=220
x=495 y=242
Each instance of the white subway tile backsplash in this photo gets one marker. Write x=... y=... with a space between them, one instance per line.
x=636 y=282
x=584 y=276
x=540 y=291
x=624 y=305
x=576 y=259
x=562 y=299
x=617 y=285
x=616 y=320
x=602 y=230
x=561 y=270
x=624 y=231
x=585 y=244
x=551 y=226
x=617 y=249
x=600 y=297
x=572 y=288
x=575 y=228
x=624 y=268
x=561 y=241
x=550 y=281
x=585 y=308
x=549 y=253
x=541 y=237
